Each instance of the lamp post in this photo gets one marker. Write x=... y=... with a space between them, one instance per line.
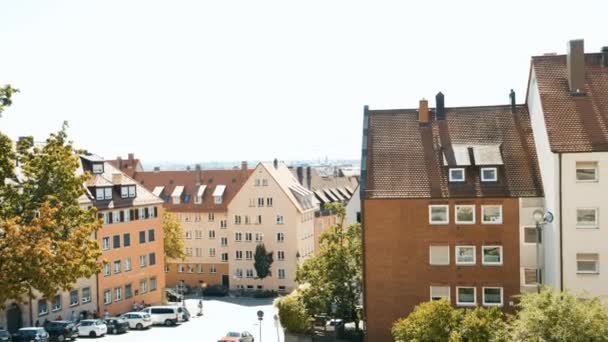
x=276 y=324
x=260 y=318
x=540 y=218
x=183 y=293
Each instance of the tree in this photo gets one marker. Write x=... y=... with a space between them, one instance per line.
x=46 y=236
x=174 y=237
x=262 y=261
x=554 y=316
x=481 y=325
x=335 y=274
x=293 y=314
x=430 y=321
x=6 y=94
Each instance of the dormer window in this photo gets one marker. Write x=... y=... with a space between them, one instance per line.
x=218 y=193
x=127 y=191
x=457 y=174
x=97 y=168
x=489 y=174
x=103 y=194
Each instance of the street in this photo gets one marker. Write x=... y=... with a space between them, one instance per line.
x=219 y=316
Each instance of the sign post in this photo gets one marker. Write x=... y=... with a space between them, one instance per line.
x=260 y=318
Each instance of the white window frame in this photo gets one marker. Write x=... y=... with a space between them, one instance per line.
x=483 y=208
x=493 y=179
x=597 y=264
x=280 y=219
x=457 y=180
x=107 y=296
x=466 y=263
x=97 y=171
x=107 y=270
x=458 y=206
x=595 y=169
x=280 y=255
x=86 y=299
x=432 y=206
x=281 y=274
x=431 y=255
x=128 y=265
x=595 y=225
x=56 y=306
x=483 y=295
x=431 y=292
x=459 y=303
x=280 y=237
x=491 y=263
x=212 y=252
x=104 y=246
x=117 y=294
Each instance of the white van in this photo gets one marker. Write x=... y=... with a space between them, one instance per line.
x=167 y=315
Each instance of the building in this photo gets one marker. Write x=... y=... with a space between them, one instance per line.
x=131 y=238
x=274 y=209
x=568 y=103
x=445 y=193
x=353 y=208
x=199 y=199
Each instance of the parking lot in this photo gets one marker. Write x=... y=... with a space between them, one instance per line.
x=219 y=316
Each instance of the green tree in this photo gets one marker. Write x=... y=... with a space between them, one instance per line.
x=174 y=237
x=293 y=314
x=334 y=275
x=481 y=325
x=554 y=316
x=430 y=321
x=6 y=94
x=262 y=261
x=46 y=235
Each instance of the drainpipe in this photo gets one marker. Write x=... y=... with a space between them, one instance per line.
x=561 y=230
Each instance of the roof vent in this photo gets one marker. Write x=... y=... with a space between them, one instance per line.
x=440 y=104
x=605 y=56
x=512 y=97
x=157 y=169
x=423 y=112
x=576 y=66
x=275 y=163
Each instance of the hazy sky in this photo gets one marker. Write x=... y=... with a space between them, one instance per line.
x=232 y=80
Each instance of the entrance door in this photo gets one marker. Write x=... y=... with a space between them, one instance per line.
x=13 y=318
x=225 y=281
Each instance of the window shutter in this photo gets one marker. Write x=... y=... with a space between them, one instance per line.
x=155 y=212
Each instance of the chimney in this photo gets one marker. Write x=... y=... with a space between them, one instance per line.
x=423 y=112
x=440 y=106
x=157 y=169
x=300 y=172
x=131 y=157
x=275 y=163
x=512 y=97
x=187 y=167
x=119 y=160
x=576 y=66
x=197 y=167
x=605 y=56
x=309 y=177
x=244 y=165
x=116 y=178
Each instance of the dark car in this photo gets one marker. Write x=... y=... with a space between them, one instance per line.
x=116 y=325
x=31 y=334
x=61 y=330
x=5 y=336
x=173 y=296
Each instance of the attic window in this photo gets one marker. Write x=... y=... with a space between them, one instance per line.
x=489 y=174
x=127 y=191
x=457 y=174
x=97 y=168
x=103 y=194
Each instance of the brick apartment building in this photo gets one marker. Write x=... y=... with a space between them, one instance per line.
x=443 y=195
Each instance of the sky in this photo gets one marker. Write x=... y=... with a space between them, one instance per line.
x=187 y=81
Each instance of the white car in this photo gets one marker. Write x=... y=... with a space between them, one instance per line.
x=166 y=315
x=92 y=328
x=137 y=320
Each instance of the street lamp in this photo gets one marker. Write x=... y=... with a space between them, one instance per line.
x=276 y=324
x=540 y=218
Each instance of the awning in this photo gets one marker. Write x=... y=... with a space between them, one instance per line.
x=201 y=190
x=177 y=192
x=456 y=155
x=219 y=190
x=330 y=195
x=158 y=190
x=487 y=154
x=337 y=194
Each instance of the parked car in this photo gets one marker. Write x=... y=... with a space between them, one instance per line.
x=173 y=296
x=137 y=320
x=61 y=330
x=5 y=336
x=165 y=315
x=234 y=336
x=92 y=328
x=31 y=334
x=116 y=325
x=185 y=314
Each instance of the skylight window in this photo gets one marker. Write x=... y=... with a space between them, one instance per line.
x=457 y=174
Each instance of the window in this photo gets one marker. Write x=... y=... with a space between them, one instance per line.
x=587 y=263
x=199 y=268
x=127 y=191
x=126 y=239
x=281 y=273
x=211 y=252
x=280 y=219
x=43 y=307
x=128 y=291
x=211 y=216
x=260 y=201
x=181 y=268
x=264 y=182
x=237 y=219
x=224 y=256
x=224 y=241
x=239 y=255
x=238 y=236
x=239 y=273
x=86 y=295
x=142 y=261
x=107 y=296
x=56 y=303
x=280 y=237
x=439 y=255
x=259 y=237
x=142 y=236
x=128 y=264
x=188 y=234
x=248 y=236
x=465 y=255
x=153 y=284
x=212 y=269
x=73 y=297
x=116 y=241
x=531 y=235
x=143 y=286
x=97 y=168
x=489 y=174
x=116 y=217
x=465 y=296
x=491 y=214
x=258 y=219
x=152 y=259
x=211 y=234
x=281 y=255
x=117 y=266
x=106 y=270
x=102 y=194
x=118 y=294
x=586 y=218
x=223 y=224
x=492 y=296
x=492 y=255
x=439 y=214
x=440 y=292
x=151 y=235
x=586 y=172
x=199 y=252
x=249 y=273
x=531 y=276
x=457 y=174
x=248 y=255
x=105 y=243
x=269 y=201
x=217 y=199
x=465 y=214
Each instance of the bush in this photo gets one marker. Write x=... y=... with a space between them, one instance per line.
x=215 y=291
x=292 y=313
x=265 y=294
x=430 y=321
x=482 y=324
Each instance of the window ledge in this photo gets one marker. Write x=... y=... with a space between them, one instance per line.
x=492 y=304
x=466 y=304
x=587 y=227
x=491 y=264
x=587 y=273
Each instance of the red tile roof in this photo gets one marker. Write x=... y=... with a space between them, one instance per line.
x=405 y=159
x=574 y=123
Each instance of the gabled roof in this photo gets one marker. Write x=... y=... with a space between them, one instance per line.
x=574 y=123
x=406 y=159
x=302 y=198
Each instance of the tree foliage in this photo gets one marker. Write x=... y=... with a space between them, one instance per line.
x=430 y=321
x=173 y=237
x=46 y=236
x=6 y=93
x=293 y=314
x=262 y=261
x=481 y=325
x=334 y=274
